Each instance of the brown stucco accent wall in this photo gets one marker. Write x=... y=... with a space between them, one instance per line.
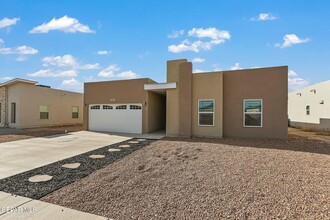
x=156 y=106
x=208 y=86
x=172 y=98
x=185 y=95
x=117 y=92
x=268 y=84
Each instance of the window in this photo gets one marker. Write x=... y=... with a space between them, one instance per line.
x=43 y=110
x=206 y=112
x=135 y=107
x=107 y=107
x=13 y=112
x=121 y=107
x=95 y=107
x=75 y=111
x=252 y=113
x=308 y=110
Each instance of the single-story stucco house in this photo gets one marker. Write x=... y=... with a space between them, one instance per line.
x=25 y=104
x=237 y=103
x=309 y=108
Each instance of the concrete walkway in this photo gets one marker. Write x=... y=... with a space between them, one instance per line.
x=17 y=207
x=20 y=156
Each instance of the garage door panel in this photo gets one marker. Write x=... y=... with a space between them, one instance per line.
x=116 y=120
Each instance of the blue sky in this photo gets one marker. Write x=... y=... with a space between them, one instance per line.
x=65 y=43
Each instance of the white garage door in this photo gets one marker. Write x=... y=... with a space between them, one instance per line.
x=125 y=118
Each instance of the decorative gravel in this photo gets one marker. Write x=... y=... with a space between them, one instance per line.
x=20 y=185
x=209 y=179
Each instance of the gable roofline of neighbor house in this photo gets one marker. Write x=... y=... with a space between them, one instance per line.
x=32 y=82
x=17 y=80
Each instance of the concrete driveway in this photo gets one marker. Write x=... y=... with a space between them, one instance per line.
x=20 y=156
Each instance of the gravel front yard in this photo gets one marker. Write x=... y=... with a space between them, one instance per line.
x=209 y=179
x=12 y=134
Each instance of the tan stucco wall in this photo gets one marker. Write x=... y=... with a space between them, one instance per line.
x=208 y=86
x=172 y=98
x=268 y=84
x=28 y=98
x=156 y=105
x=116 y=92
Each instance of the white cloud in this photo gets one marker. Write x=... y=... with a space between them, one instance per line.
x=112 y=72
x=200 y=71
x=291 y=39
x=109 y=71
x=295 y=82
x=21 y=58
x=65 y=24
x=103 y=52
x=176 y=34
x=90 y=66
x=292 y=73
x=198 y=60
x=60 y=61
x=6 y=22
x=6 y=78
x=215 y=37
x=21 y=50
x=264 y=17
x=52 y=73
x=127 y=75
x=70 y=82
x=212 y=33
x=236 y=67
x=67 y=60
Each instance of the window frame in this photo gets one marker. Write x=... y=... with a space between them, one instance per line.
x=135 y=107
x=198 y=113
x=121 y=107
x=43 y=112
x=107 y=107
x=95 y=107
x=261 y=113
x=13 y=109
x=72 y=112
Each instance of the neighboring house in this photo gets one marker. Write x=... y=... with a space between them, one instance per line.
x=237 y=103
x=309 y=108
x=25 y=104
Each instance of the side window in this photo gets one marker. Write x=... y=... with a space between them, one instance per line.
x=95 y=107
x=206 y=112
x=75 y=112
x=43 y=111
x=308 y=110
x=13 y=112
x=135 y=107
x=252 y=113
x=121 y=107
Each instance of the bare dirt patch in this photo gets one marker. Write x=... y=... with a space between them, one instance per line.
x=209 y=179
x=315 y=135
x=13 y=134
